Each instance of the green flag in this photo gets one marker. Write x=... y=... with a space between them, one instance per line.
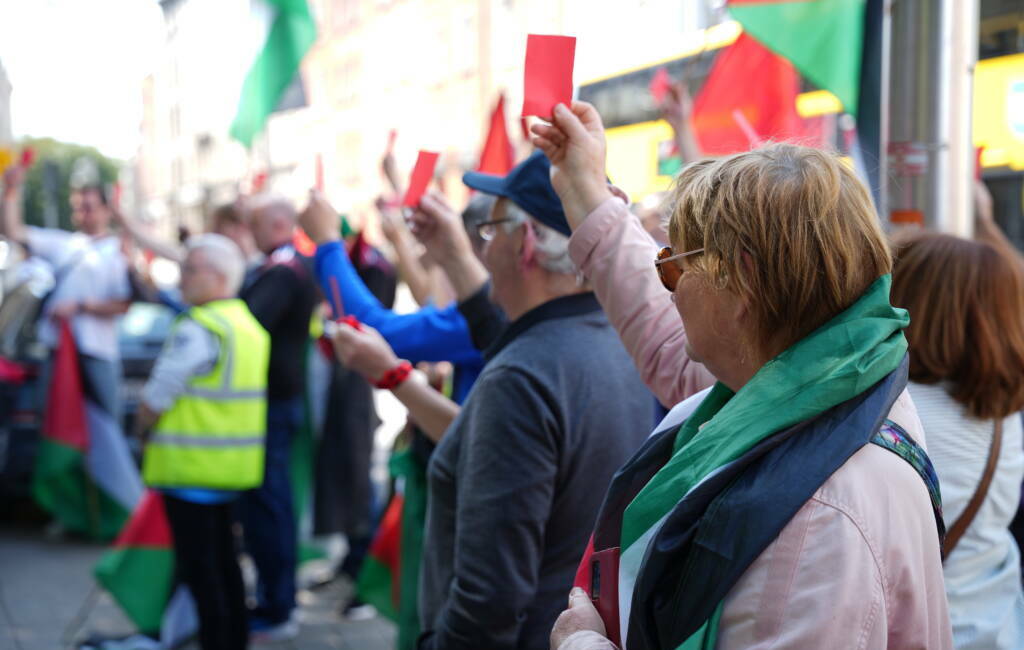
x=288 y=32
x=823 y=39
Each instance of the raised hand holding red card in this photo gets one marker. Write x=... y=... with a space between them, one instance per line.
x=548 y=73
x=659 y=86
x=421 y=175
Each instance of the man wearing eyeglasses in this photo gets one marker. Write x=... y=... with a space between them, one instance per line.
x=512 y=482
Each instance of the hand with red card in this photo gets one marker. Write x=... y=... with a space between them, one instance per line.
x=548 y=74
x=28 y=156
x=660 y=83
x=364 y=350
x=422 y=173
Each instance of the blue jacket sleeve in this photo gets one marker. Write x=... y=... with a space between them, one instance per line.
x=429 y=334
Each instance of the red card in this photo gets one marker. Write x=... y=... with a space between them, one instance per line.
x=659 y=86
x=319 y=173
x=548 y=77
x=392 y=136
x=28 y=156
x=421 y=175
x=977 y=162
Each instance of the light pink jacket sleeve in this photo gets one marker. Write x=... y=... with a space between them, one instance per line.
x=616 y=255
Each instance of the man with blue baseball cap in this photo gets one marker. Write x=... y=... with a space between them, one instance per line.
x=516 y=481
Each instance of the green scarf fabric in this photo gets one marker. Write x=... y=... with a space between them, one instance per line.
x=835 y=363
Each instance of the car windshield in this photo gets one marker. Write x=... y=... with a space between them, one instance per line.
x=145 y=320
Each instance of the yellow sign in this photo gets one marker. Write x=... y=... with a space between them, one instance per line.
x=6 y=158
x=999 y=111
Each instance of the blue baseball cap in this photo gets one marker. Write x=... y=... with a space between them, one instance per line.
x=528 y=185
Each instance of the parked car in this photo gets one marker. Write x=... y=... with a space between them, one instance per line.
x=141 y=335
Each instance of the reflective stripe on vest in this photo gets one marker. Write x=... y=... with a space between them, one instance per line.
x=189 y=440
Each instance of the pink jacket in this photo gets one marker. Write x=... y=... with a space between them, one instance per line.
x=858 y=566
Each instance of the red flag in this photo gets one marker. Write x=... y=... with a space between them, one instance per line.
x=748 y=98
x=548 y=73
x=421 y=175
x=64 y=420
x=497 y=156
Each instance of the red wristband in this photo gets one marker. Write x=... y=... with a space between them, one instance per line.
x=393 y=378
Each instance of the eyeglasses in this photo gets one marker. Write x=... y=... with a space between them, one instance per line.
x=487 y=229
x=670 y=274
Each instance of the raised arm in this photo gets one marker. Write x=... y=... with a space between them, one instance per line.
x=159 y=247
x=677 y=110
x=430 y=334
x=411 y=267
x=616 y=255
x=440 y=229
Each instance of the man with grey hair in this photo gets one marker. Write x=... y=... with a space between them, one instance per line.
x=206 y=404
x=512 y=495
x=281 y=294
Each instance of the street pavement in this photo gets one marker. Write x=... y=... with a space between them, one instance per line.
x=49 y=601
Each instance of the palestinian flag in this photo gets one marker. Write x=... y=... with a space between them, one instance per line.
x=837 y=46
x=138 y=571
x=389 y=579
x=749 y=98
x=378 y=582
x=84 y=473
x=823 y=39
x=279 y=33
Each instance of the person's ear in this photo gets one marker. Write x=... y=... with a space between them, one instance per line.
x=527 y=247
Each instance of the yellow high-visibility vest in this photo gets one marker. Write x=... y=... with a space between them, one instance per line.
x=213 y=436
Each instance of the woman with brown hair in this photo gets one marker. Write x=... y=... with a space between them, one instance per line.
x=789 y=505
x=966 y=334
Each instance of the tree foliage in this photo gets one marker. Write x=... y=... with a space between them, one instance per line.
x=73 y=165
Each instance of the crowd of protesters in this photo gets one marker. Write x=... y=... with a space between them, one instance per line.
x=746 y=417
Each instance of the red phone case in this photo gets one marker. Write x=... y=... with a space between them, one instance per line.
x=604 y=590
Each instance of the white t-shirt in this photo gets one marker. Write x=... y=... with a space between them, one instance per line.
x=97 y=271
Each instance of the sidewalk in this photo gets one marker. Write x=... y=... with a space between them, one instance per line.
x=45 y=585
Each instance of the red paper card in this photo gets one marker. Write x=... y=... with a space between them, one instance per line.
x=28 y=156
x=659 y=86
x=548 y=76
x=421 y=175
x=978 y=151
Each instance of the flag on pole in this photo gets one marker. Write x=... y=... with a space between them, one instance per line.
x=287 y=31
x=497 y=156
x=84 y=473
x=749 y=97
x=138 y=572
x=823 y=39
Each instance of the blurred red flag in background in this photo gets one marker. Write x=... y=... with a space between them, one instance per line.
x=497 y=156
x=748 y=98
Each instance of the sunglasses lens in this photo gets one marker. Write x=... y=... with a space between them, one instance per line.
x=669 y=273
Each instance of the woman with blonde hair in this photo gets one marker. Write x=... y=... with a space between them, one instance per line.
x=791 y=504
x=966 y=304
